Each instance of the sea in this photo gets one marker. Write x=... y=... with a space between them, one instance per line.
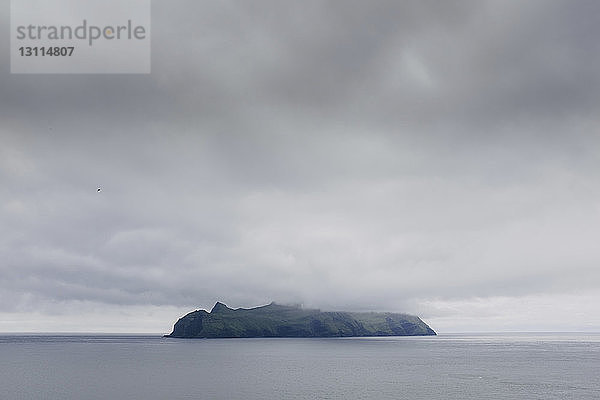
x=453 y=366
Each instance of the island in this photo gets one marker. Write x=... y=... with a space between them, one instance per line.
x=276 y=320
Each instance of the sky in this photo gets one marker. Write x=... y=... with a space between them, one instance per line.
x=434 y=158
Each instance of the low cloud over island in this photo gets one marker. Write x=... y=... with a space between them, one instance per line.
x=438 y=159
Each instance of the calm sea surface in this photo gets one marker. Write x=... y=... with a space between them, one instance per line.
x=516 y=366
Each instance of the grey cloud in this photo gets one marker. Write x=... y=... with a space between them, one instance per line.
x=338 y=154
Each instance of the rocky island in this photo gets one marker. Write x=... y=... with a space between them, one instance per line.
x=275 y=320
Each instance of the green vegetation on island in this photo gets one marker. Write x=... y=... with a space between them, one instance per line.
x=275 y=320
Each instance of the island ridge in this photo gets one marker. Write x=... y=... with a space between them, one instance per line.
x=275 y=320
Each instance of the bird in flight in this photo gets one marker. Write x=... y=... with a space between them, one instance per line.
x=99 y=190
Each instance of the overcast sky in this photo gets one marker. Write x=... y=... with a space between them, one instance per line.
x=440 y=158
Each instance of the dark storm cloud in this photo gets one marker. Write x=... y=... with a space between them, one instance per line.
x=341 y=154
